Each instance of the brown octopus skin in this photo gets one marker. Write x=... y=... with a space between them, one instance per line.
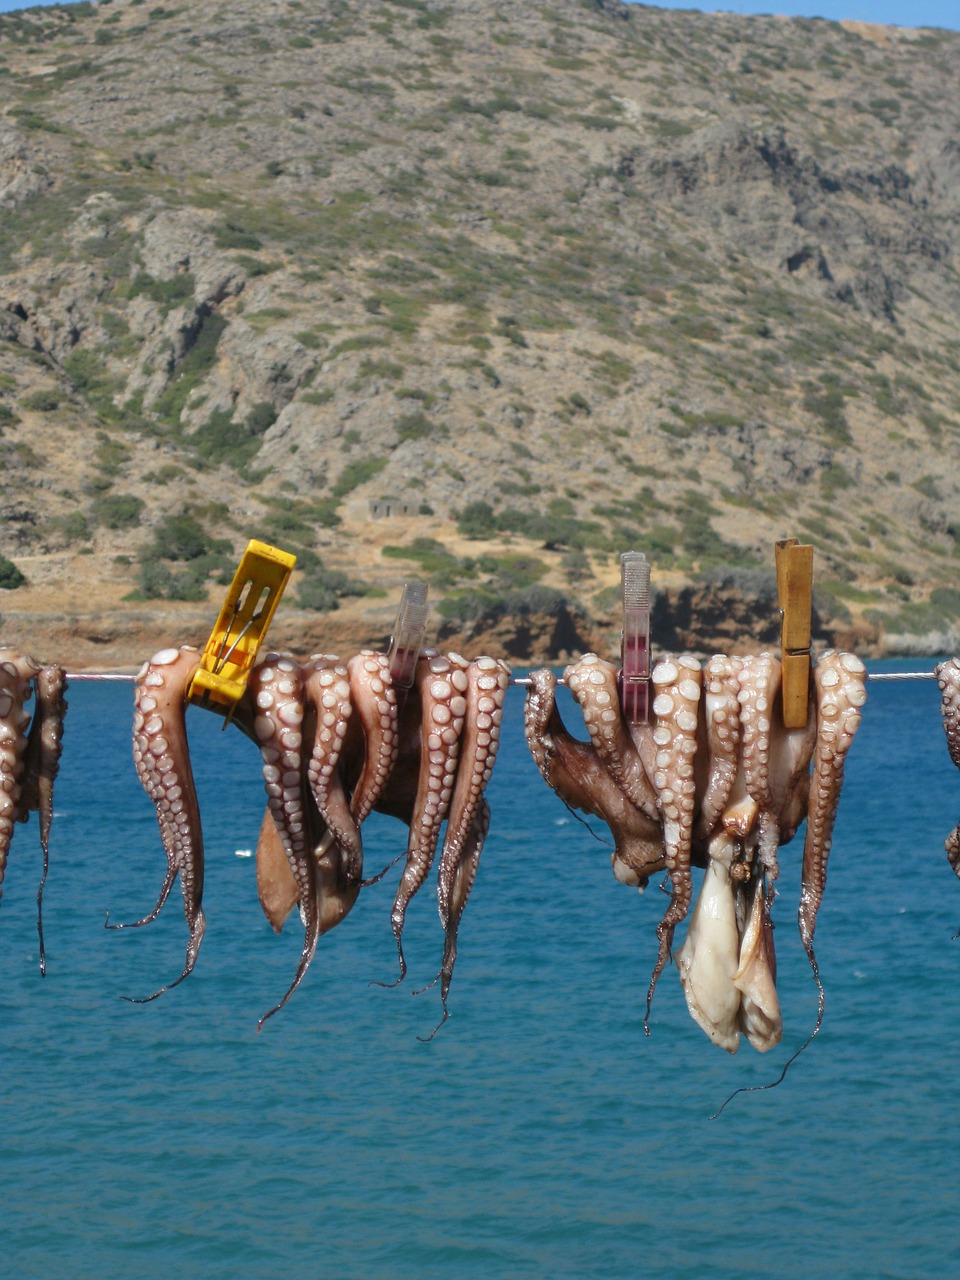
x=461 y=883
x=375 y=729
x=369 y=755
x=760 y=677
x=276 y=691
x=42 y=763
x=328 y=697
x=162 y=761
x=677 y=688
x=16 y=673
x=469 y=817
x=593 y=683
x=840 y=692
x=441 y=682
x=721 y=740
x=948 y=678
x=576 y=773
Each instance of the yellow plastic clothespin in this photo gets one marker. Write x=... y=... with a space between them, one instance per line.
x=235 y=640
x=794 y=563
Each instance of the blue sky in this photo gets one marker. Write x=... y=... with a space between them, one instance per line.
x=901 y=13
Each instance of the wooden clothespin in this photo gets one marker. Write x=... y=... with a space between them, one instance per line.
x=407 y=639
x=231 y=651
x=635 y=638
x=794 y=563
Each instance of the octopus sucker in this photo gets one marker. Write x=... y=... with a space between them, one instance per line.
x=327 y=696
x=759 y=690
x=375 y=726
x=840 y=680
x=469 y=817
x=441 y=682
x=948 y=678
x=276 y=691
x=593 y=683
x=162 y=762
x=721 y=715
x=41 y=765
x=578 y=776
x=677 y=689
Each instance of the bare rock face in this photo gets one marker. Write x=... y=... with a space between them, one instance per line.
x=483 y=293
x=23 y=171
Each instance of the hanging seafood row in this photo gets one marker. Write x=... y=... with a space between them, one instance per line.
x=337 y=741
x=29 y=754
x=714 y=780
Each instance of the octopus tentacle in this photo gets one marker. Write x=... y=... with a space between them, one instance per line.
x=593 y=683
x=441 y=683
x=574 y=770
x=162 y=761
x=276 y=688
x=948 y=678
x=841 y=691
x=44 y=746
x=721 y=684
x=462 y=883
x=15 y=676
x=375 y=702
x=327 y=692
x=759 y=686
x=487 y=683
x=677 y=684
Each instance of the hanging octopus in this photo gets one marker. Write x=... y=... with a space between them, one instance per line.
x=29 y=755
x=715 y=780
x=335 y=745
x=948 y=678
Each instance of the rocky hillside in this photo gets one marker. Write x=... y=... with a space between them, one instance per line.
x=481 y=292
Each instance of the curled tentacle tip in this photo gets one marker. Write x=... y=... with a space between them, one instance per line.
x=427 y=1039
x=420 y=990
x=388 y=985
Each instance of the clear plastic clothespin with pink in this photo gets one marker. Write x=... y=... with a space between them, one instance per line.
x=635 y=638
x=407 y=639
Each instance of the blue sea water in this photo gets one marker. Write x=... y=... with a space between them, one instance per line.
x=541 y=1133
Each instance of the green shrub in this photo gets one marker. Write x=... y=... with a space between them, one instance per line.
x=169 y=293
x=118 y=510
x=321 y=589
x=180 y=537
x=477 y=520
x=357 y=473
x=42 y=401
x=10 y=575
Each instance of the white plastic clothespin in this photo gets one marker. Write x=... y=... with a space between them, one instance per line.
x=407 y=639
